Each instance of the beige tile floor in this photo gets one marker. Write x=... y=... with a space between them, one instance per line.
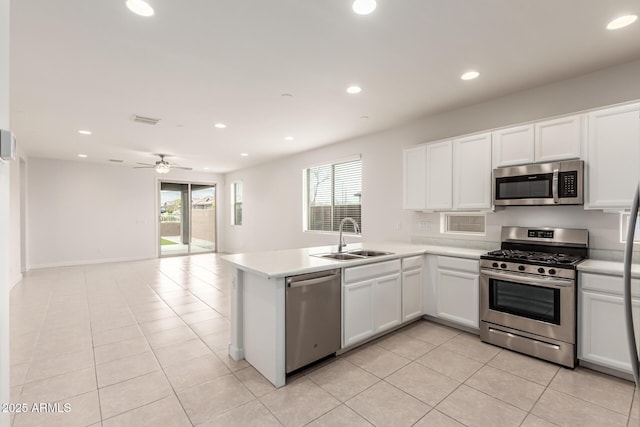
x=144 y=344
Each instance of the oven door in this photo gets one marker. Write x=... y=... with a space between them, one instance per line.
x=537 y=305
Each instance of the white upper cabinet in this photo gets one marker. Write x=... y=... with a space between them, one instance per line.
x=558 y=139
x=546 y=141
x=414 y=178
x=446 y=175
x=613 y=157
x=513 y=146
x=472 y=172
x=439 y=175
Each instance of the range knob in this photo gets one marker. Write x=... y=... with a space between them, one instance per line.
x=541 y=270
x=494 y=265
x=503 y=265
x=552 y=271
x=521 y=267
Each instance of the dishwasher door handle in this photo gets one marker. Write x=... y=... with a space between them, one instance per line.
x=310 y=282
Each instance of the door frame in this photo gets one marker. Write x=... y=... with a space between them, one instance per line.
x=159 y=181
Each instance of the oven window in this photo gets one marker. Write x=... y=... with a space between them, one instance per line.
x=534 y=302
x=525 y=187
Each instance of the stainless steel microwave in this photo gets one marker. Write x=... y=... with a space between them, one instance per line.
x=557 y=183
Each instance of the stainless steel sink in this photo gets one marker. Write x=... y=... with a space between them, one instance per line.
x=355 y=254
x=368 y=253
x=340 y=256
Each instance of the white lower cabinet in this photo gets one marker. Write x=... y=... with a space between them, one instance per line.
x=358 y=312
x=412 y=285
x=372 y=300
x=453 y=289
x=601 y=324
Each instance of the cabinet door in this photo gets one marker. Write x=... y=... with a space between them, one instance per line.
x=602 y=331
x=558 y=139
x=358 y=312
x=439 y=175
x=613 y=156
x=414 y=179
x=387 y=303
x=457 y=297
x=472 y=172
x=412 y=284
x=513 y=146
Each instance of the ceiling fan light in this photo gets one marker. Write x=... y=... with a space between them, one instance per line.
x=364 y=7
x=162 y=168
x=140 y=7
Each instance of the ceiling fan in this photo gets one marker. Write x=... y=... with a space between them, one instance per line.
x=161 y=166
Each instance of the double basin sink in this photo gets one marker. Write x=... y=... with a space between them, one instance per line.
x=354 y=254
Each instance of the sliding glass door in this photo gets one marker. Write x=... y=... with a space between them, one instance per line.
x=187 y=218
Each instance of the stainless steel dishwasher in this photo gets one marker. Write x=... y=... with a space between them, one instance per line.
x=312 y=317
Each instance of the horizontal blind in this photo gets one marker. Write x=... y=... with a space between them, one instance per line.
x=334 y=192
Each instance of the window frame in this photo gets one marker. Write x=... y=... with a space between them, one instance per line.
x=234 y=187
x=624 y=221
x=444 y=223
x=306 y=201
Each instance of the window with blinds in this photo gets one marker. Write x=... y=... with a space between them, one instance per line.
x=334 y=191
x=236 y=203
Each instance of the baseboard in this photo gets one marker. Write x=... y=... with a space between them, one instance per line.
x=87 y=262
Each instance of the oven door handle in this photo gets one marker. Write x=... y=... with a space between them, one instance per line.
x=550 y=282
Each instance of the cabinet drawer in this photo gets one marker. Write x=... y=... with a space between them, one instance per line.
x=461 y=264
x=363 y=272
x=604 y=283
x=412 y=262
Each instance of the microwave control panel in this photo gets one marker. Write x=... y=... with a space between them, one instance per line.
x=568 y=182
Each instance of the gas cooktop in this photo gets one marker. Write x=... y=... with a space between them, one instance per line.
x=534 y=257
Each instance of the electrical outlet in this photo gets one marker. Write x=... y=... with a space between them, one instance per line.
x=425 y=225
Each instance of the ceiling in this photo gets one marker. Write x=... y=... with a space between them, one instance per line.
x=91 y=65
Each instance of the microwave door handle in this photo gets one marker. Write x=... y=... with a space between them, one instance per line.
x=554 y=185
x=626 y=278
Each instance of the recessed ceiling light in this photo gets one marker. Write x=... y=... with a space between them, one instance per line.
x=140 y=7
x=85 y=132
x=244 y=154
x=354 y=89
x=470 y=75
x=288 y=138
x=364 y=7
x=622 y=22
x=206 y=169
x=83 y=156
x=220 y=125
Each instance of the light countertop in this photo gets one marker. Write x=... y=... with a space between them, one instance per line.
x=607 y=267
x=282 y=263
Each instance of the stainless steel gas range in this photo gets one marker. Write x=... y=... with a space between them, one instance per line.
x=528 y=292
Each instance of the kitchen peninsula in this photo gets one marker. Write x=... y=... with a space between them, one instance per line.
x=259 y=288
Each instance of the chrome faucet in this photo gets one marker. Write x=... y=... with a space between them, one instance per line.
x=341 y=243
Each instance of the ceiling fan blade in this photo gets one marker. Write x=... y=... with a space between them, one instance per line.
x=181 y=167
x=144 y=167
x=145 y=164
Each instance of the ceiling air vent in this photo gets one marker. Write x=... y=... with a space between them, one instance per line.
x=116 y=160
x=145 y=120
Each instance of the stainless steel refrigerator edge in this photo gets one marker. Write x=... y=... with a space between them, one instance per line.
x=628 y=308
x=313 y=314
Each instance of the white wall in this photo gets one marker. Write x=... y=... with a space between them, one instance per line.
x=83 y=212
x=15 y=217
x=4 y=213
x=272 y=205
